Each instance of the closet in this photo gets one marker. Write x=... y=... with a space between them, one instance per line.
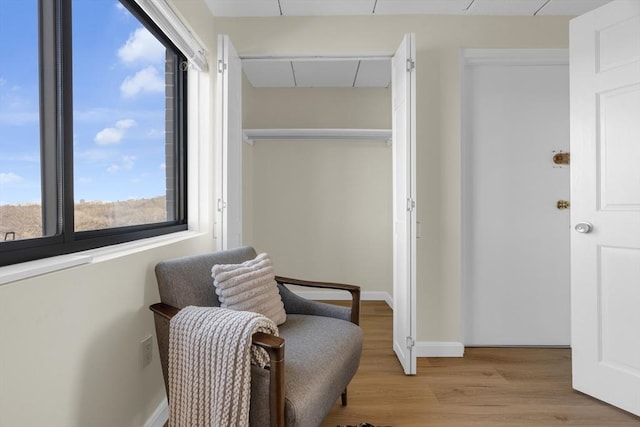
x=341 y=148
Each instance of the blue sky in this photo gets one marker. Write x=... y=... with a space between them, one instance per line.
x=119 y=112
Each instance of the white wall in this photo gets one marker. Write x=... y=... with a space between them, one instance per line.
x=439 y=40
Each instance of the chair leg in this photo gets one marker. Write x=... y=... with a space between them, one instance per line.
x=344 y=397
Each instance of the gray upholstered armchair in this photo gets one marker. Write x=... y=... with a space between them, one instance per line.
x=313 y=360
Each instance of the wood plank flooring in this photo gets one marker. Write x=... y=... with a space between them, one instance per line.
x=488 y=387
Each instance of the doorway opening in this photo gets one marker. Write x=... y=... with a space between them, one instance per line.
x=265 y=163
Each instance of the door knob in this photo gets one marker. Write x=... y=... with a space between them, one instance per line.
x=584 y=227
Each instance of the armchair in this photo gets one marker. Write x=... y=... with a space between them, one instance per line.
x=311 y=362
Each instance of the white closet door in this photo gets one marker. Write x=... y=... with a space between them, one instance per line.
x=229 y=203
x=404 y=203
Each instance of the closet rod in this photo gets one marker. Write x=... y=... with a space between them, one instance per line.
x=345 y=57
x=252 y=135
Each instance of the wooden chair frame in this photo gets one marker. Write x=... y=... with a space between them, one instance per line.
x=274 y=345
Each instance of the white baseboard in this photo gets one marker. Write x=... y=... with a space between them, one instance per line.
x=343 y=296
x=439 y=349
x=422 y=348
x=159 y=416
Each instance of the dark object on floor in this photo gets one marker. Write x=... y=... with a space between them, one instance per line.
x=363 y=425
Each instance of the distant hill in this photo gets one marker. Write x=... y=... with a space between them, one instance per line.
x=26 y=220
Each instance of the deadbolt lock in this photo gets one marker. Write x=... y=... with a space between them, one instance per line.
x=561 y=158
x=563 y=204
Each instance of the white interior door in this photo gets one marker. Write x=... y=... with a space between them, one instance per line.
x=404 y=203
x=516 y=250
x=229 y=203
x=605 y=196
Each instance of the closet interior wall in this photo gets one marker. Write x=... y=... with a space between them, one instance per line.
x=321 y=208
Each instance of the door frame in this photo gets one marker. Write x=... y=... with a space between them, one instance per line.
x=468 y=58
x=222 y=163
x=228 y=232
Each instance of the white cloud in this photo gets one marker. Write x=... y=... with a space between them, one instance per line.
x=109 y=136
x=113 y=135
x=125 y=124
x=146 y=80
x=163 y=166
x=155 y=133
x=17 y=108
x=143 y=47
x=120 y=7
x=10 y=178
x=93 y=155
x=126 y=163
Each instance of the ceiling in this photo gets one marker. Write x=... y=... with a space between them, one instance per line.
x=400 y=7
x=366 y=72
x=318 y=72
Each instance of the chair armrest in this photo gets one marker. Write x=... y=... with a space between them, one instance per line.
x=352 y=289
x=165 y=310
x=273 y=345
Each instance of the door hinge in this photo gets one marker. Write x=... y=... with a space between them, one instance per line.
x=221 y=205
x=411 y=205
x=221 y=66
x=410 y=343
x=411 y=65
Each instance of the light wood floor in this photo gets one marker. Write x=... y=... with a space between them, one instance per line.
x=487 y=387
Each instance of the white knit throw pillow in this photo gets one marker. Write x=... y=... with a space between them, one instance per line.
x=250 y=286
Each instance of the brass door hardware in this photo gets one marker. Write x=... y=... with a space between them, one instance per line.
x=561 y=158
x=563 y=204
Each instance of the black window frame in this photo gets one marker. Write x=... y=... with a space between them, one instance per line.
x=56 y=142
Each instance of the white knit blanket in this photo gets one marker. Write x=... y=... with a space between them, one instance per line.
x=210 y=356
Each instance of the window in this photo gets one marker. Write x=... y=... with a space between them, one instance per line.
x=92 y=128
x=20 y=176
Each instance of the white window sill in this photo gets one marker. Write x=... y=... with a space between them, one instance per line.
x=26 y=270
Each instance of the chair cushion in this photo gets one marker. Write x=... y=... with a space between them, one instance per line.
x=322 y=354
x=249 y=286
x=186 y=280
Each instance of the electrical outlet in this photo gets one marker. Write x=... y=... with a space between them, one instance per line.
x=147 y=350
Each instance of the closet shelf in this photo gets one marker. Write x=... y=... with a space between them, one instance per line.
x=252 y=135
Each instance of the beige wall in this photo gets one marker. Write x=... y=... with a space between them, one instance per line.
x=70 y=343
x=321 y=208
x=70 y=353
x=439 y=40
